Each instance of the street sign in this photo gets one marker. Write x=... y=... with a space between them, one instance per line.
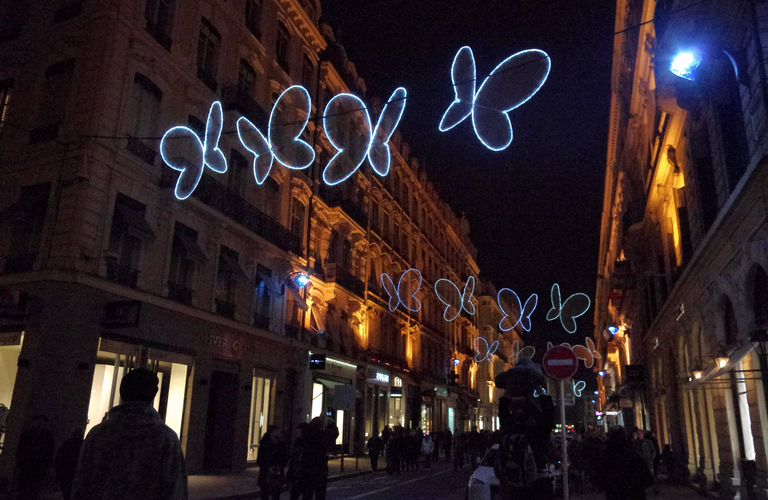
x=560 y=362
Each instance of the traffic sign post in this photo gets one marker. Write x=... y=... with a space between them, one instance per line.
x=561 y=363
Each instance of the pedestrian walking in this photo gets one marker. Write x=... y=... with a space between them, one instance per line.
x=271 y=460
x=295 y=474
x=394 y=450
x=624 y=474
x=459 y=450
x=65 y=463
x=576 y=461
x=437 y=440
x=375 y=447
x=133 y=454
x=34 y=457
x=314 y=461
x=447 y=444
x=427 y=449
x=473 y=446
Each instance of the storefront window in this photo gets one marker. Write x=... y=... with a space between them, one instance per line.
x=451 y=420
x=317 y=400
x=340 y=425
x=10 y=348
x=261 y=396
x=426 y=418
x=115 y=358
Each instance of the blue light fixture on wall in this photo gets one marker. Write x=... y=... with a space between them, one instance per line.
x=685 y=65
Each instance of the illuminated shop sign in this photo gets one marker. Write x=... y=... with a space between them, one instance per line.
x=382 y=377
x=317 y=362
x=396 y=392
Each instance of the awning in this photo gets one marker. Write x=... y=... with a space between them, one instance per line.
x=134 y=222
x=189 y=244
x=227 y=263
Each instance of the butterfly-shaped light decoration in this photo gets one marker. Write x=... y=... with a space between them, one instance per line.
x=526 y=352
x=587 y=352
x=515 y=80
x=182 y=150
x=485 y=351
x=578 y=386
x=564 y=344
x=573 y=307
x=514 y=311
x=406 y=290
x=287 y=121
x=345 y=112
x=454 y=299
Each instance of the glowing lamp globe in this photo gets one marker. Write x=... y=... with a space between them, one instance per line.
x=302 y=280
x=601 y=373
x=685 y=65
x=613 y=329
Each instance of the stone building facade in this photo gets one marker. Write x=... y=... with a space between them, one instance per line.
x=104 y=269
x=684 y=240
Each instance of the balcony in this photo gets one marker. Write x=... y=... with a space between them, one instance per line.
x=217 y=196
x=206 y=76
x=235 y=98
x=180 y=293
x=345 y=279
x=225 y=308
x=20 y=263
x=355 y=212
x=123 y=275
x=68 y=11
x=261 y=321
x=141 y=151
x=160 y=35
x=44 y=134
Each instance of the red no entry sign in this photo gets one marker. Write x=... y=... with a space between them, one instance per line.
x=560 y=362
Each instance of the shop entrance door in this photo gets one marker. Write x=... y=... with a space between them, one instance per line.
x=222 y=416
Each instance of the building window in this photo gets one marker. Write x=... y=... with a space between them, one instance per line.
x=53 y=104
x=385 y=226
x=346 y=256
x=396 y=236
x=207 y=54
x=282 y=45
x=196 y=124
x=26 y=219
x=229 y=274
x=159 y=14
x=298 y=210
x=143 y=117
x=129 y=230
x=375 y=216
x=253 y=17
x=308 y=73
x=6 y=88
x=185 y=252
x=262 y=301
x=246 y=77
x=238 y=168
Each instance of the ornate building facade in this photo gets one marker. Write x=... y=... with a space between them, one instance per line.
x=684 y=243
x=233 y=294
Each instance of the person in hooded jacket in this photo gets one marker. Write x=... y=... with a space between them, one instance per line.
x=132 y=455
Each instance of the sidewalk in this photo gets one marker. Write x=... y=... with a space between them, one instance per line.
x=242 y=485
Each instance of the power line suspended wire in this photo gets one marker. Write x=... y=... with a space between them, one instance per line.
x=374 y=108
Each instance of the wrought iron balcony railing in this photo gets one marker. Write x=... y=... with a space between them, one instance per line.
x=239 y=99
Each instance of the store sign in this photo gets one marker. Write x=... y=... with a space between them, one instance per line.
x=396 y=392
x=441 y=392
x=613 y=413
x=121 y=314
x=382 y=377
x=317 y=362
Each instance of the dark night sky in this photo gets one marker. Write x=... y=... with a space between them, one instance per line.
x=534 y=209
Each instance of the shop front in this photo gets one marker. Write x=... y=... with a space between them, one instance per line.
x=379 y=405
x=333 y=396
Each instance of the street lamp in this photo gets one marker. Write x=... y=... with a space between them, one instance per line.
x=301 y=280
x=685 y=65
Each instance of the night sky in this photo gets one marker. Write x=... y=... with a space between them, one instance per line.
x=534 y=209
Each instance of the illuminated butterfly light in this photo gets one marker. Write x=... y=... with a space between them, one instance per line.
x=287 y=121
x=587 y=352
x=485 y=351
x=347 y=112
x=510 y=305
x=515 y=80
x=526 y=352
x=455 y=300
x=578 y=386
x=573 y=307
x=405 y=292
x=182 y=150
